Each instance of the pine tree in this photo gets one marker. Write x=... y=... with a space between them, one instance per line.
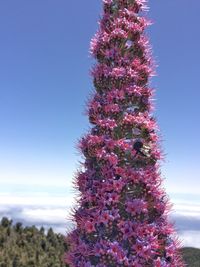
x=122 y=213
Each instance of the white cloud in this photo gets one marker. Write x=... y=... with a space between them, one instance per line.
x=36 y=199
x=45 y=216
x=187 y=209
x=40 y=208
x=54 y=209
x=190 y=238
x=32 y=181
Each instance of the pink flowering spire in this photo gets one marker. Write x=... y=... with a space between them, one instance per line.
x=122 y=216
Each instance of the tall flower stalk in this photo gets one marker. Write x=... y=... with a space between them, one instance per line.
x=122 y=213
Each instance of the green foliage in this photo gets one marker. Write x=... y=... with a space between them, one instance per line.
x=30 y=247
x=5 y=222
x=191 y=256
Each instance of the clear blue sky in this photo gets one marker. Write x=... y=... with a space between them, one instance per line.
x=45 y=82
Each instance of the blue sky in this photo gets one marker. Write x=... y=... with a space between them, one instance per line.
x=45 y=83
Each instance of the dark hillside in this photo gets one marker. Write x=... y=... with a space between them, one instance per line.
x=192 y=256
x=29 y=247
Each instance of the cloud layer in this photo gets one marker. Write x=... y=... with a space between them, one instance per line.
x=54 y=211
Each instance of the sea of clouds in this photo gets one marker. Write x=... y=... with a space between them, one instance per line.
x=52 y=208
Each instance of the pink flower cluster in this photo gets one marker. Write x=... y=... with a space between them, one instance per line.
x=111 y=108
x=116 y=251
x=125 y=144
x=121 y=178
x=140 y=120
x=102 y=71
x=108 y=215
x=109 y=124
x=136 y=206
x=136 y=7
x=108 y=2
x=130 y=25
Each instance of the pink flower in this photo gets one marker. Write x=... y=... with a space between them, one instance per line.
x=95 y=105
x=107 y=123
x=143 y=42
x=110 y=144
x=119 y=33
x=140 y=120
x=154 y=137
x=115 y=213
x=138 y=247
x=115 y=94
x=170 y=250
x=134 y=90
x=135 y=206
x=89 y=226
x=132 y=73
x=126 y=228
x=142 y=4
x=120 y=171
x=113 y=108
x=141 y=231
x=116 y=251
x=118 y=185
x=83 y=249
x=114 y=247
x=107 y=186
x=88 y=264
x=94 y=139
x=120 y=256
x=97 y=249
x=105 y=217
x=94 y=44
x=124 y=144
x=134 y=27
x=105 y=37
x=101 y=153
x=137 y=264
x=146 y=252
x=157 y=262
x=157 y=154
x=160 y=206
x=100 y=71
x=128 y=119
x=131 y=208
x=113 y=197
x=118 y=72
x=162 y=263
x=108 y=2
x=144 y=22
x=112 y=158
x=112 y=53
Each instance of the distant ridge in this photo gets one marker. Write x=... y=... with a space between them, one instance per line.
x=29 y=246
x=191 y=256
